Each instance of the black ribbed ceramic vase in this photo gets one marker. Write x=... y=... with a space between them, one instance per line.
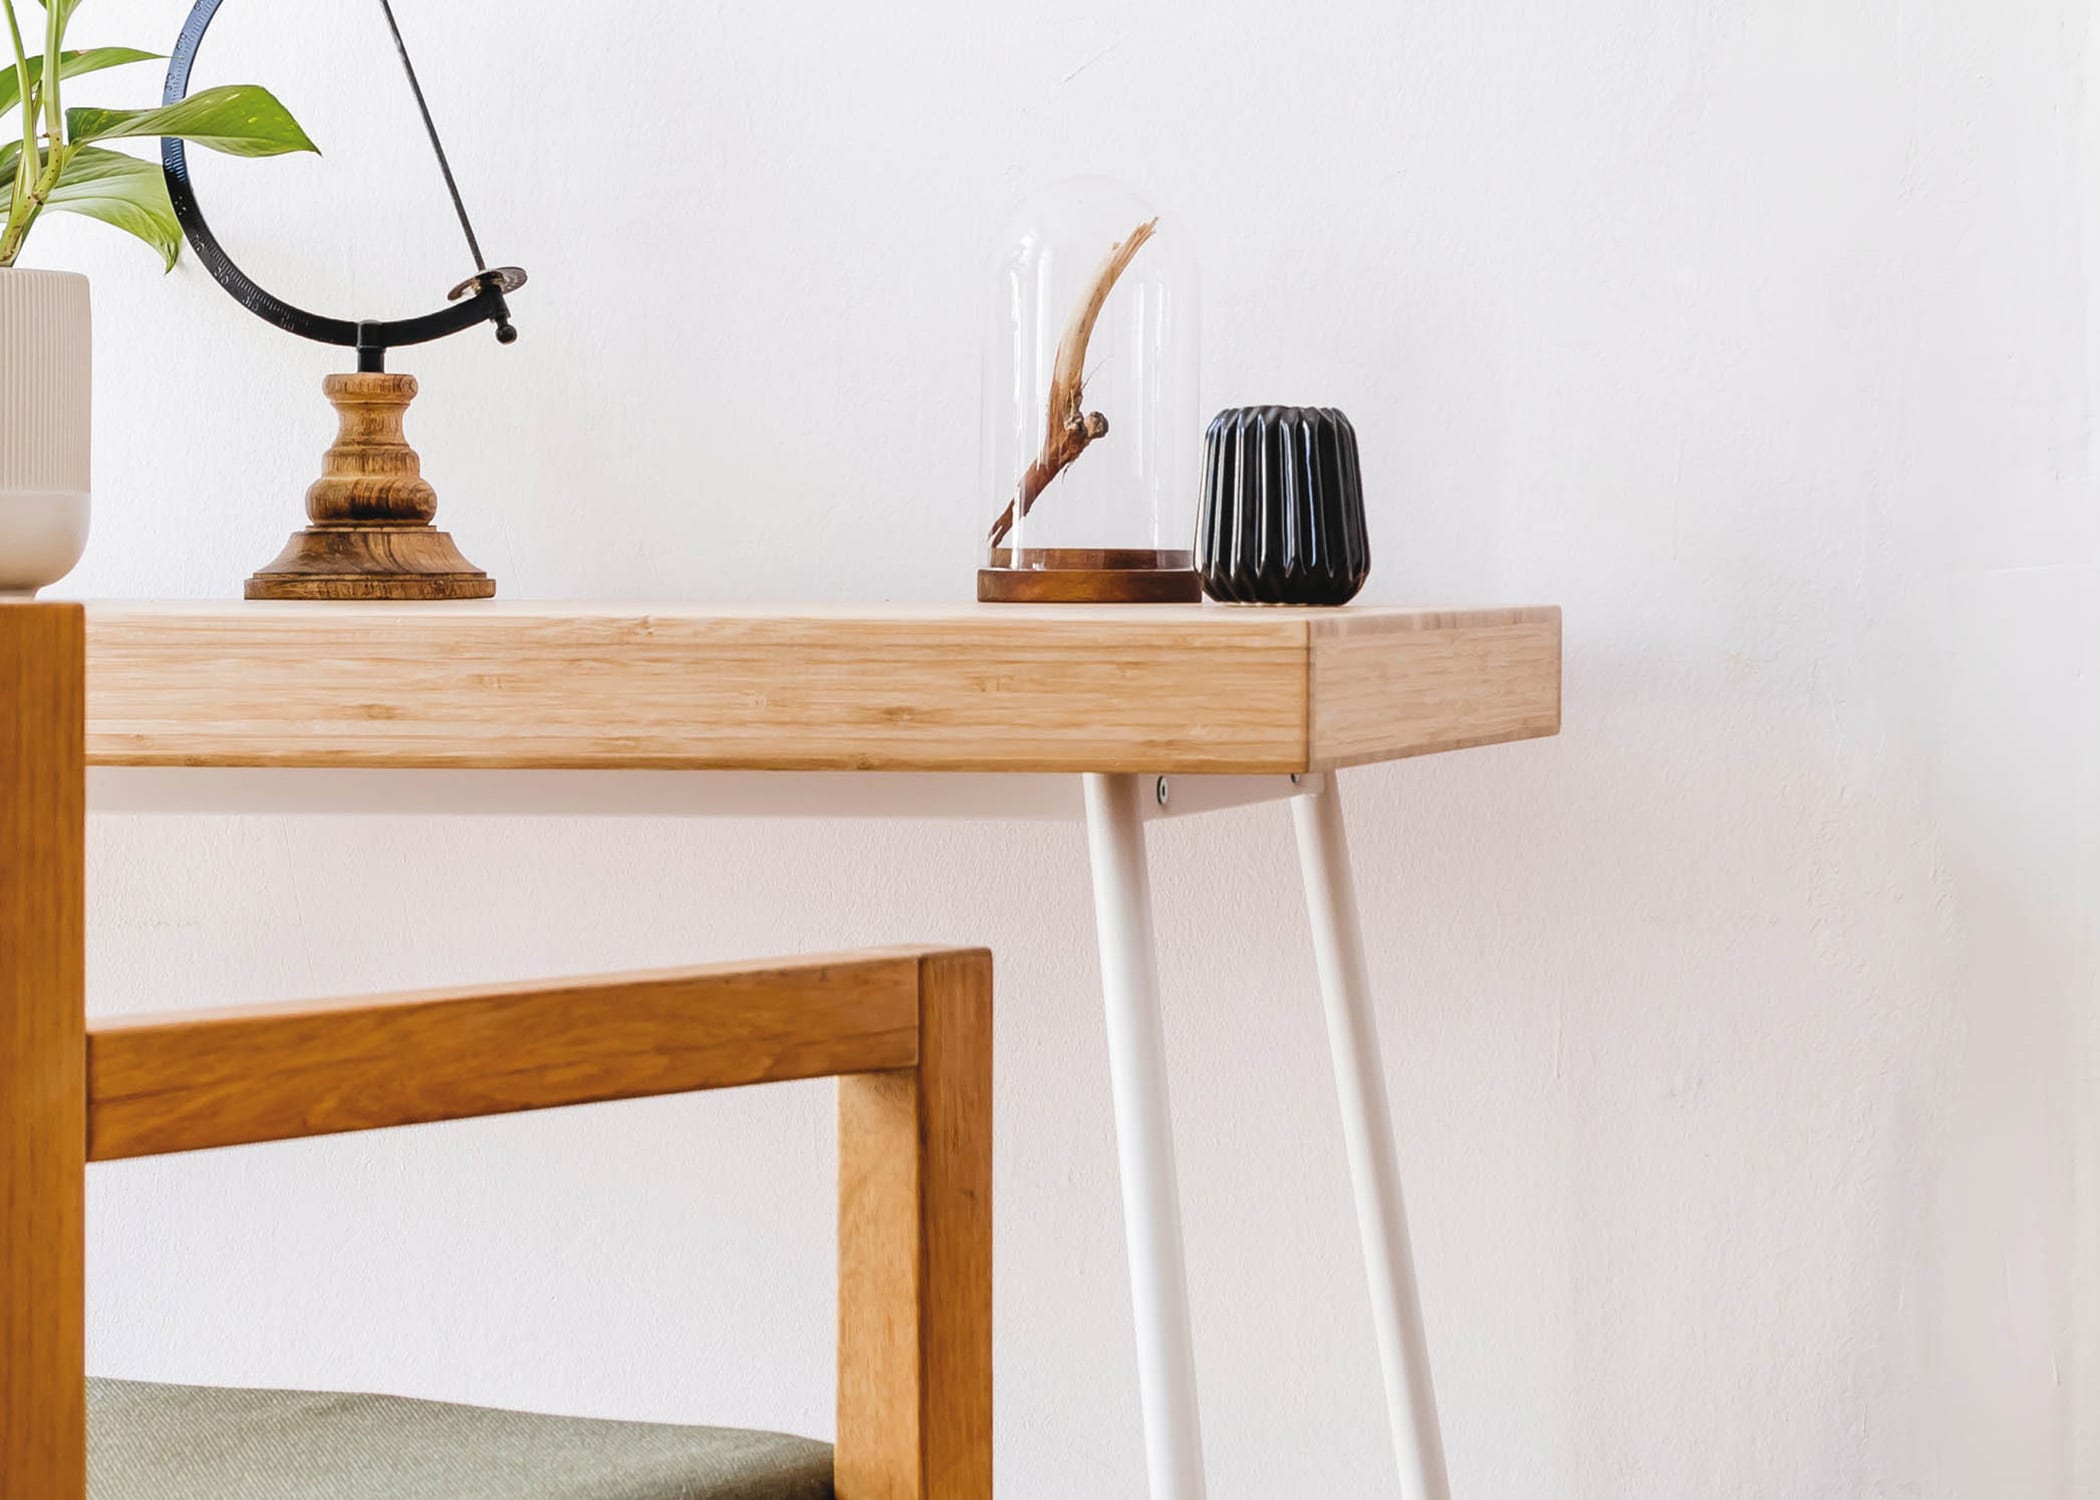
x=1283 y=508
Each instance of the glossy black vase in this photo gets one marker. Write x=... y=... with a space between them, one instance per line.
x=1283 y=508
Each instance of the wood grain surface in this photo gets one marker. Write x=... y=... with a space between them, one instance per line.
x=43 y=817
x=193 y=1080
x=371 y=510
x=1385 y=685
x=915 y=1255
x=508 y=685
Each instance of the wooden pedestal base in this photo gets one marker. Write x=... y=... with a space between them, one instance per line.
x=1075 y=575
x=370 y=562
x=371 y=509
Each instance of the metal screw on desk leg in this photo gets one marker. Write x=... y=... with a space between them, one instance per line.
x=1162 y=790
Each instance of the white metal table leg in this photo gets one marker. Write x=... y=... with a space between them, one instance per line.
x=1145 y=1135
x=1352 y=1028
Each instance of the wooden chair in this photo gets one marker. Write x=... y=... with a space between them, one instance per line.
x=907 y=1032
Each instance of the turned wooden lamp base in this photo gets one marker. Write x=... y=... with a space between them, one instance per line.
x=371 y=510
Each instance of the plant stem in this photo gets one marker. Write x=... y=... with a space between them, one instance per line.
x=54 y=66
x=33 y=204
x=30 y=166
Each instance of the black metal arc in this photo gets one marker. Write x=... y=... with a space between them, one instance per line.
x=370 y=337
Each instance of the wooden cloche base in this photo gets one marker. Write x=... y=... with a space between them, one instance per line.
x=1076 y=575
x=371 y=509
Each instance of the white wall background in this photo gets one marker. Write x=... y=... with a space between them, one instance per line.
x=1732 y=1034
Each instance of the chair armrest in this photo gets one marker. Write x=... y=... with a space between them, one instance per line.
x=196 y=1080
x=909 y=1031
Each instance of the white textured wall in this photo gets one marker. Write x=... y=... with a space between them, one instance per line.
x=1732 y=1034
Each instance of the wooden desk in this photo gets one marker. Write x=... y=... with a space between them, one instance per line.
x=1165 y=689
x=1118 y=715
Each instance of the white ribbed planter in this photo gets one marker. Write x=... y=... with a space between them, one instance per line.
x=46 y=393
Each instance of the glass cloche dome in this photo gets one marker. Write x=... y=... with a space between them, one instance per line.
x=1092 y=430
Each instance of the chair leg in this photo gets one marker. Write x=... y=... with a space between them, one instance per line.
x=43 y=1053
x=915 y=1255
x=1145 y=1138
x=1359 y=1074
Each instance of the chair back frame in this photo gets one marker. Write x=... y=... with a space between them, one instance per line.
x=907 y=1032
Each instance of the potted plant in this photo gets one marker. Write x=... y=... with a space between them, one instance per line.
x=61 y=161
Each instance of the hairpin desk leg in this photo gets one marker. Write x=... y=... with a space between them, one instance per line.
x=1145 y=1136
x=1352 y=1028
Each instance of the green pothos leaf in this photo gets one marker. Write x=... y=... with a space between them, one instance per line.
x=241 y=119
x=123 y=192
x=70 y=65
x=119 y=190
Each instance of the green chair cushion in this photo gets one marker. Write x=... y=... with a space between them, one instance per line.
x=173 y=1442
